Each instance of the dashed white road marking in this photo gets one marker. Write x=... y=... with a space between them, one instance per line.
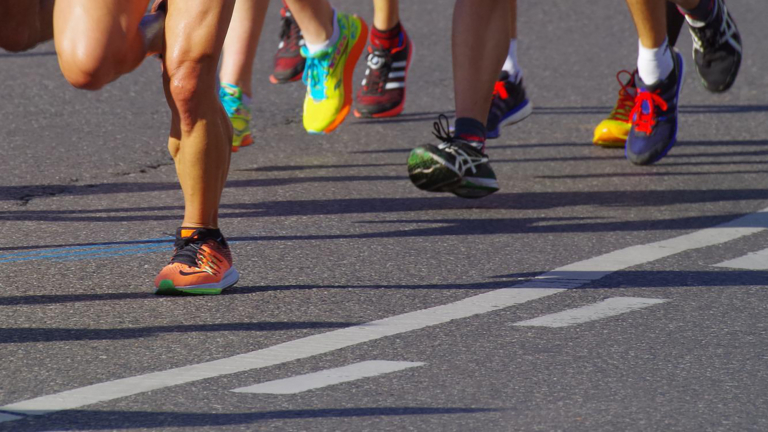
x=328 y=377
x=563 y=278
x=752 y=261
x=604 y=309
x=8 y=417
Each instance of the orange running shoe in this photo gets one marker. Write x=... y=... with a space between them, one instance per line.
x=613 y=131
x=201 y=264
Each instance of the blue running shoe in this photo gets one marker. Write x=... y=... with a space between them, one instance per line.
x=654 y=117
x=509 y=105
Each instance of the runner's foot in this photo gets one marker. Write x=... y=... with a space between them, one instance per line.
x=456 y=165
x=613 y=130
x=509 y=106
x=289 y=64
x=654 y=117
x=383 y=90
x=716 y=48
x=328 y=76
x=201 y=264
x=239 y=112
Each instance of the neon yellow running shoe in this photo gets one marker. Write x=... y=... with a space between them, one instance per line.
x=328 y=76
x=613 y=130
x=239 y=113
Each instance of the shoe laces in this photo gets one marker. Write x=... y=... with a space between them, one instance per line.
x=644 y=122
x=189 y=251
x=231 y=99
x=316 y=73
x=627 y=94
x=290 y=34
x=379 y=63
x=500 y=90
x=463 y=160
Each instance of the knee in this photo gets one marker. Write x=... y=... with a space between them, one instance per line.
x=83 y=66
x=192 y=86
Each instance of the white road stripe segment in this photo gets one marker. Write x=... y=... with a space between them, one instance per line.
x=563 y=278
x=752 y=261
x=8 y=417
x=604 y=309
x=328 y=377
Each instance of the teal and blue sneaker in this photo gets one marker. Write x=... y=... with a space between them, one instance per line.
x=239 y=112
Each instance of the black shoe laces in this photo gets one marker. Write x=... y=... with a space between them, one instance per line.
x=379 y=64
x=187 y=250
x=442 y=129
x=290 y=34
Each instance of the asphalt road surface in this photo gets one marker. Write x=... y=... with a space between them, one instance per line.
x=587 y=295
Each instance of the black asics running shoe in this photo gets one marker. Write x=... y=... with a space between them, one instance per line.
x=456 y=165
x=716 y=49
x=289 y=63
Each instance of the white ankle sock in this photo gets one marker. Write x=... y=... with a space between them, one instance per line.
x=654 y=64
x=511 y=65
x=313 y=48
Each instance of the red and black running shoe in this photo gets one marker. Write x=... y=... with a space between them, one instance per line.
x=383 y=91
x=289 y=64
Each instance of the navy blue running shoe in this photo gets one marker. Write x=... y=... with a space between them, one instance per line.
x=654 y=117
x=509 y=105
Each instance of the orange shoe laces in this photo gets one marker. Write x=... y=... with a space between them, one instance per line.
x=627 y=93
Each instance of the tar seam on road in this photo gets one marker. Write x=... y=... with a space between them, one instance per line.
x=558 y=280
x=328 y=377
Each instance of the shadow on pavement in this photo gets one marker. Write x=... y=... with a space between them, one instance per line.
x=116 y=420
x=47 y=334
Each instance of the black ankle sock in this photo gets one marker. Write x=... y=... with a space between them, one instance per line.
x=703 y=11
x=469 y=129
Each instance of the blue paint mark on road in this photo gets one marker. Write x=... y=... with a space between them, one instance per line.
x=101 y=250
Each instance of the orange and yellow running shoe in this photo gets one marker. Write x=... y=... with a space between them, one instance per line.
x=613 y=130
x=201 y=264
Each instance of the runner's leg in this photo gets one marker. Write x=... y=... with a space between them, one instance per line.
x=98 y=41
x=241 y=43
x=25 y=23
x=201 y=134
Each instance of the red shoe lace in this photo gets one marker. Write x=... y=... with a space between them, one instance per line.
x=627 y=94
x=500 y=90
x=643 y=122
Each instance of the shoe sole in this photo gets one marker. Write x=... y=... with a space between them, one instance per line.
x=473 y=187
x=673 y=141
x=248 y=140
x=349 y=69
x=274 y=79
x=230 y=278
x=399 y=108
x=430 y=172
x=511 y=118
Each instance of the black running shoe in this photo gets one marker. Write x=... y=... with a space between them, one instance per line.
x=509 y=105
x=716 y=49
x=654 y=117
x=456 y=165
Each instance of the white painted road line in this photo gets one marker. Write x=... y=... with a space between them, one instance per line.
x=328 y=377
x=8 y=417
x=606 y=308
x=553 y=282
x=753 y=261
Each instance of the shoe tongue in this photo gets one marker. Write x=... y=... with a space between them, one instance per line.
x=503 y=76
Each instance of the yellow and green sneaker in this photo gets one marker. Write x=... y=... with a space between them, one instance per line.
x=328 y=76
x=239 y=112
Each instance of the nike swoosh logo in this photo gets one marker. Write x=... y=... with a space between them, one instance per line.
x=183 y=273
